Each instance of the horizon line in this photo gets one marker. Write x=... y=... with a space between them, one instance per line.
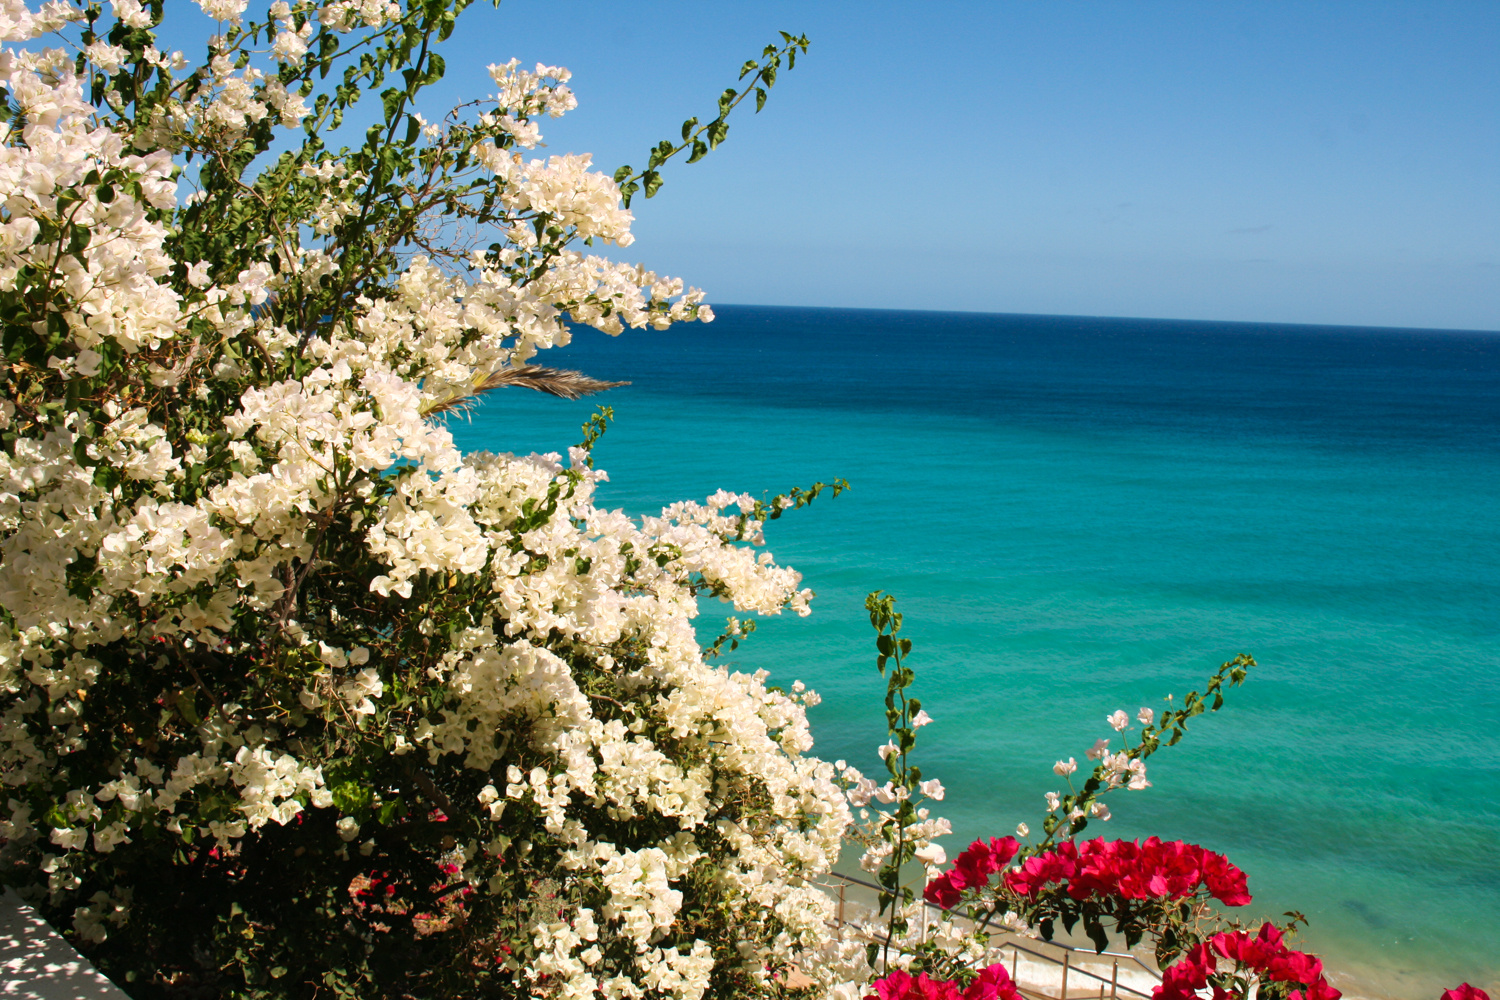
x=1100 y=316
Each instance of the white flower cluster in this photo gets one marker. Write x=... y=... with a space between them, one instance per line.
x=564 y=189
x=19 y=23
x=525 y=95
x=1121 y=770
x=877 y=826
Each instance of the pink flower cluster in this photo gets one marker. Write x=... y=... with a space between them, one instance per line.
x=1264 y=954
x=993 y=983
x=1154 y=869
x=1465 y=992
x=971 y=870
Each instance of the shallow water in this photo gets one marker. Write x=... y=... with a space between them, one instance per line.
x=1079 y=515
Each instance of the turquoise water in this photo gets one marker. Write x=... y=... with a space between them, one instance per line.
x=1079 y=515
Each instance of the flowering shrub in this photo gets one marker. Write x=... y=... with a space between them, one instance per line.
x=294 y=698
x=1156 y=889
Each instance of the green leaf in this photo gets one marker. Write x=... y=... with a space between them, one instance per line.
x=391 y=101
x=1095 y=930
x=187 y=708
x=659 y=155
x=351 y=796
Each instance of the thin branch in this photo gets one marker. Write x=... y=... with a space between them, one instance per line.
x=553 y=381
x=188 y=654
x=432 y=792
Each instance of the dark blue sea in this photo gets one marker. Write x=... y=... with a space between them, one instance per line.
x=1079 y=515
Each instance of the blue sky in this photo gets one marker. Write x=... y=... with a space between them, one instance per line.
x=1290 y=162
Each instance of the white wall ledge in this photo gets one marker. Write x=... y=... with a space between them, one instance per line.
x=36 y=963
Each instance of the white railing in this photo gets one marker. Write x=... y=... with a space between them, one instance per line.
x=1038 y=967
